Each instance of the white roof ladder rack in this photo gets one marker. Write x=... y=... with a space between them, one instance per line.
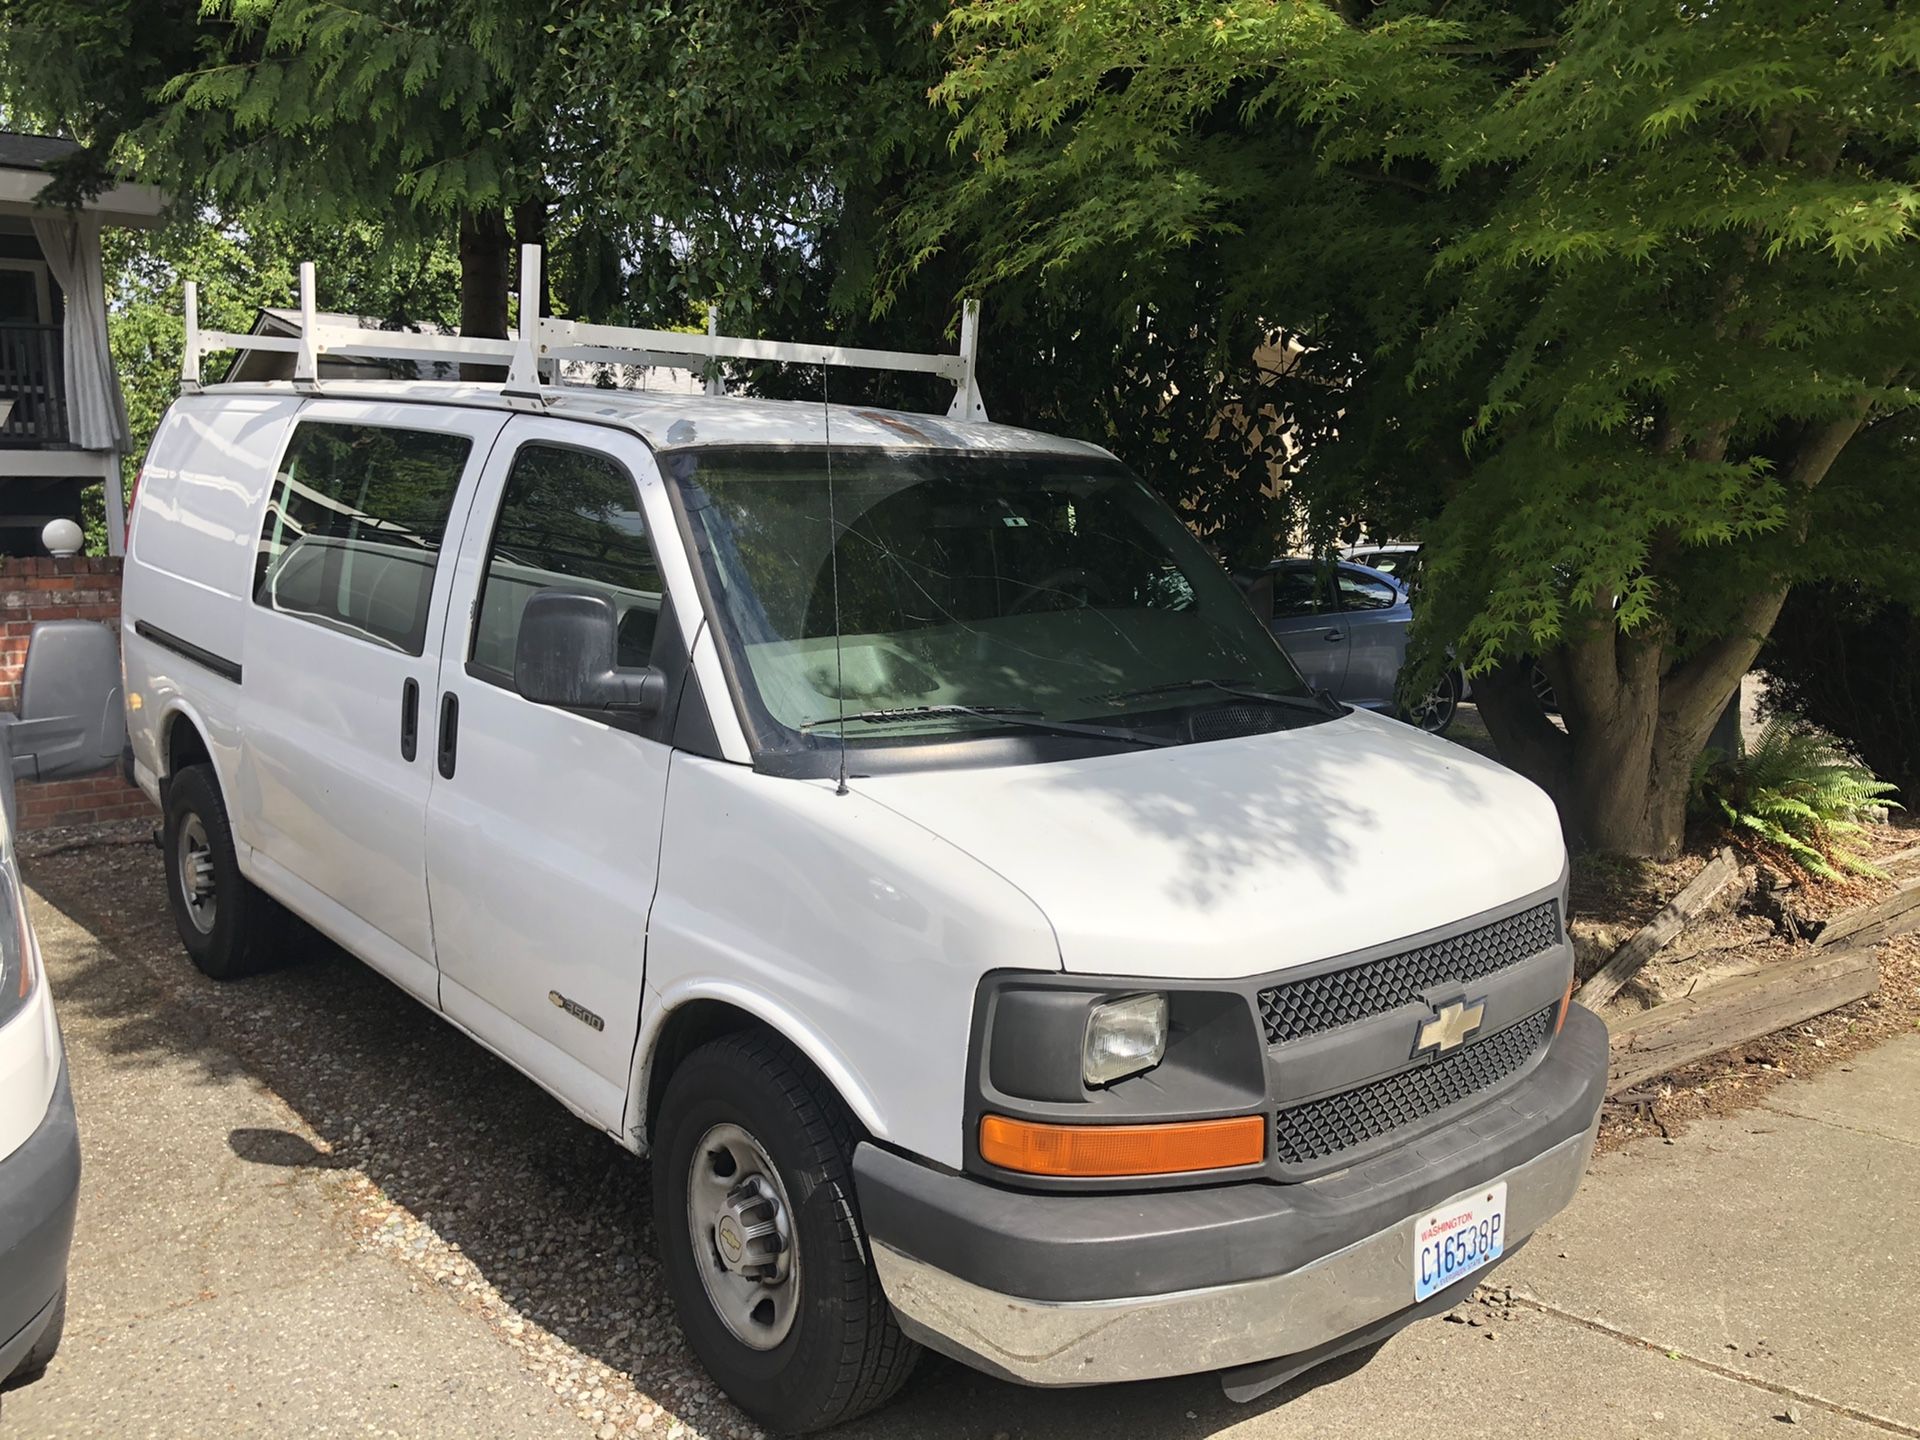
x=543 y=338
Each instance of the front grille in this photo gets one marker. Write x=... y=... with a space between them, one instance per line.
x=1320 y=1002
x=1323 y=1128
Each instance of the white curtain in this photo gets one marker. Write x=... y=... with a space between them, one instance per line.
x=96 y=415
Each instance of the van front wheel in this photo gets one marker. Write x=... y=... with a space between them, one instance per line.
x=230 y=929
x=760 y=1238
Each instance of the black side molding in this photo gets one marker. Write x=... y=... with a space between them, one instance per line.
x=226 y=669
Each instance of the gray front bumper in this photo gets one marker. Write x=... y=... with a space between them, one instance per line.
x=1083 y=1289
x=1093 y=1342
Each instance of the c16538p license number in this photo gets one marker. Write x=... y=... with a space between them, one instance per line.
x=1459 y=1238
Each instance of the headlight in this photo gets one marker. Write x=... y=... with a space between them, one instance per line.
x=1124 y=1037
x=16 y=955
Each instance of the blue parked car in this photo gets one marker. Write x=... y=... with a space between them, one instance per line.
x=1345 y=626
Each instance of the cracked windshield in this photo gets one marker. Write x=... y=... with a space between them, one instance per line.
x=976 y=594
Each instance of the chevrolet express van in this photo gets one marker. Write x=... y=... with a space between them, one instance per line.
x=901 y=829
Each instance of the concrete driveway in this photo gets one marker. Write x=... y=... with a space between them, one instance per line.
x=310 y=1207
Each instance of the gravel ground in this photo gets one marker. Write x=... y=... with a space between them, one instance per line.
x=459 y=1167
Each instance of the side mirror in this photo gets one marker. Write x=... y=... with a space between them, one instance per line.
x=565 y=654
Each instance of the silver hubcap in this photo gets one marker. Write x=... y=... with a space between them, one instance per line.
x=1434 y=711
x=193 y=863
x=738 y=1220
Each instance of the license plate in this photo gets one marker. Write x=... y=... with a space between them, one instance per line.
x=1458 y=1238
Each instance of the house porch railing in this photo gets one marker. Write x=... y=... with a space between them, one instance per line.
x=33 y=376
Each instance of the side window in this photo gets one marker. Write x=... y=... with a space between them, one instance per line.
x=567 y=517
x=1295 y=591
x=1363 y=592
x=354 y=527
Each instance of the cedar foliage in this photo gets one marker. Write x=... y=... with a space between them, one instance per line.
x=1604 y=289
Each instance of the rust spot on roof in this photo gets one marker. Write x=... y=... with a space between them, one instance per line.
x=896 y=424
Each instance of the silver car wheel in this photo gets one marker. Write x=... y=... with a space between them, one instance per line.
x=193 y=870
x=1435 y=711
x=739 y=1221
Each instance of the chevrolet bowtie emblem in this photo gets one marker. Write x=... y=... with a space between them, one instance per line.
x=1451 y=1024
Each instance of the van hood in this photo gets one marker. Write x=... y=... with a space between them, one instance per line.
x=1240 y=857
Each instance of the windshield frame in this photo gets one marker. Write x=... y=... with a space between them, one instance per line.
x=777 y=749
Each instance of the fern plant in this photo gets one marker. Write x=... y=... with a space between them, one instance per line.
x=1798 y=789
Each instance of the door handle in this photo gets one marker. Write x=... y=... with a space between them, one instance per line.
x=1334 y=635
x=449 y=732
x=409 y=719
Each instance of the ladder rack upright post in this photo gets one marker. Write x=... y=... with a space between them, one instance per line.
x=190 y=355
x=306 y=363
x=523 y=374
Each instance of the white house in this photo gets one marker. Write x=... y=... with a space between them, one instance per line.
x=64 y=426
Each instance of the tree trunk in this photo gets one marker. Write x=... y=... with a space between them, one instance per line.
x=1634 y=782
x=484 y=251
x=1622 y=768
x=1636 y=720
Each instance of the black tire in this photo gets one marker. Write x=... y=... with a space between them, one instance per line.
x=844 y=1353
x=34 y=1363
x=243 y=931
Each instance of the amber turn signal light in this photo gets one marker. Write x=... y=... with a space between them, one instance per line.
x=1092 y=1151
x=1566 y=1004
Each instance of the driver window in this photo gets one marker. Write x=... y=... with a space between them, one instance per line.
x=1296 y=591
x=567 y=517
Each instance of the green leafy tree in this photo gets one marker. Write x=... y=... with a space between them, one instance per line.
x=243 y=264
x=760 y=154
x=416 y=117
x=1603 y=293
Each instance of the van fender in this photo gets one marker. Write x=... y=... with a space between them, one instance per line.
x=223 y=753
x=174 y=709
x=788 y=1023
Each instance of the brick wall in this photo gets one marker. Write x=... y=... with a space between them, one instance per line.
x=86 y=801
x=81 y=587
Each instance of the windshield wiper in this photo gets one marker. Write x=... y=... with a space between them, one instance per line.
x=1320 y=703
x=1010 y=714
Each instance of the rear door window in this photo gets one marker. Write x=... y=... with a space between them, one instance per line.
x=567 y=518
x=354 y=527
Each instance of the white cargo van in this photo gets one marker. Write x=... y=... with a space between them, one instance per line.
x=897 y=825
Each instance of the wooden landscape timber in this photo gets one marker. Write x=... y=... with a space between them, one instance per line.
x=1738 y=1010
x=1718 y=873
x=1899 y=858
x=1895 y=915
